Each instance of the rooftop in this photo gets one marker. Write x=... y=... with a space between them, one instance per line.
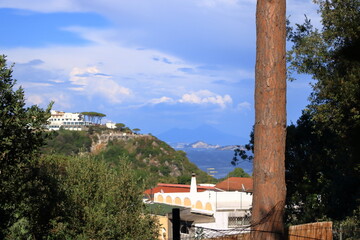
x=174 y=188
x=236 y=184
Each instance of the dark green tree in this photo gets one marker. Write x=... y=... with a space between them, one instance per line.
x=102 y=202
x=67 y=142
x=317 y=181
x=136 y=130
x=332 y=120
x=93 y=117
x=238 y=172
x=120 y=126
x=24 y=195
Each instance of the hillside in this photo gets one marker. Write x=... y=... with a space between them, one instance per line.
x=153 y=160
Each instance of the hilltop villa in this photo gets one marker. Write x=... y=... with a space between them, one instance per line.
x=68 y=121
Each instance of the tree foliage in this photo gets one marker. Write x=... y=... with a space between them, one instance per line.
x=94 y=117
x=153 y=160
x=67 y=142
x=120 y=126
x=136 y=130
x=24 y=193
x=331 y=147
x=321 y=184
x=101 y=202
x=238 y=172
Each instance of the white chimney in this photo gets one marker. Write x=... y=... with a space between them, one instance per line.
x=193 y=186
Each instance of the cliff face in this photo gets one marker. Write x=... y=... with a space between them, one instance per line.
x=153 y=160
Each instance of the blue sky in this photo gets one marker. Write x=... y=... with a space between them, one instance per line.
x=151 y=64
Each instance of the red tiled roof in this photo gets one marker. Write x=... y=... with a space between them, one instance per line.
x=173 y=188
x=236 y=184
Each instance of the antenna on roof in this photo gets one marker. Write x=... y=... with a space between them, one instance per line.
x=243 y=188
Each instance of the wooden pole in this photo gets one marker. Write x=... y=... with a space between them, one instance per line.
x=176 y=223
x=270 y=120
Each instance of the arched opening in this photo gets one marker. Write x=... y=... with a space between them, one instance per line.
x=177 y=201
x=160 y=198
x=168 y=199
x=187 y=202
x=199 y=205
x=208 y=207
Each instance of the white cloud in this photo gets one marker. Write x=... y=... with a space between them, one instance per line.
x=62 y=101
x=35 y=84
x=94 y=82
x=78 y=89
x=206 y=97
x=38 y=5
x=144 y=71
x=34 y=99
x=217 y=3
x=161 y=100
x=244 y=106
x=134 y=74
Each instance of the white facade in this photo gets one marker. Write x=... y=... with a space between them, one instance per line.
x=68 y=121
x=210 y=213
x=110 y=125
x=208 y=202
x=229 y=211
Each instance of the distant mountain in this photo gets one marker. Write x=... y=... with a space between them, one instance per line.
x=216 y=159
x=203 y=133
x=203 y=145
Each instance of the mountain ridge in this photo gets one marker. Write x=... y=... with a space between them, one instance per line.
x=206 y=133
x=203 y=145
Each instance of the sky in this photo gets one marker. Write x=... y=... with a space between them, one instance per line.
x=155 y=65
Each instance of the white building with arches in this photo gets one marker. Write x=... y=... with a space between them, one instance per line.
x=211 y=209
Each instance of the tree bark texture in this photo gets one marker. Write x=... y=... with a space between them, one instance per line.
x=270 y=120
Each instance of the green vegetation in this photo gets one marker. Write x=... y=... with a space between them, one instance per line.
x=237 y=172
x=67 y=142
x=61 y=197
x=98 y=201
x=119 y=126
x=153 y=159
x=323 y=148
x=94 y=117
x=136 y=130
x=24 y=193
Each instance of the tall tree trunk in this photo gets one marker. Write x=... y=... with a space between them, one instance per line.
x=270 y=120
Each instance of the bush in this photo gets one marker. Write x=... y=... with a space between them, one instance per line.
x=101 y=202
x=67 y=142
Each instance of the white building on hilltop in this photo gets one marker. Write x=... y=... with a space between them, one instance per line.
x=110 y=125
x=68 y=121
